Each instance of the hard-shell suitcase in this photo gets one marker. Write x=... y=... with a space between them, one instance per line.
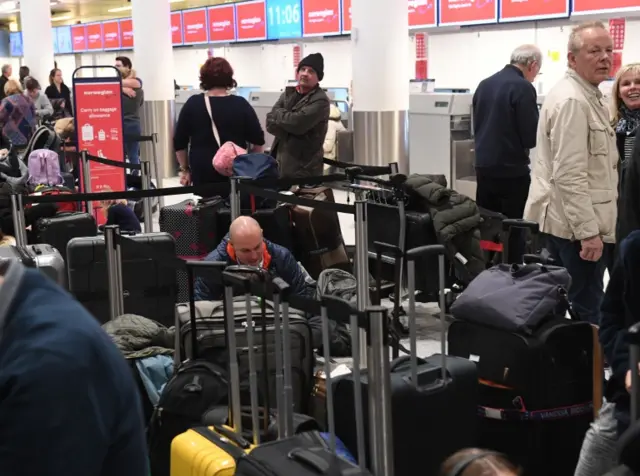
x=59 y=230
x=433 y=400
x=319 y=244
x=275 y=223
x=42 y=256
x=193 y=226
x=150 y=288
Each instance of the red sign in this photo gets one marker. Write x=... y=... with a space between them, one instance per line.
x=467 y=12
x=320 y=17
x=94 y=36
x=98 y=116
x=79 y=38
x=346 y=16
x=421 y=46
x=251 y=18
x=422 y=13
x=518 y=10
x=602 y=6
x=194 y=26
x=222 y=23
x=618 y=29
x=421 y=69
x=176 y=28
x=126 y=33
x=111 y=35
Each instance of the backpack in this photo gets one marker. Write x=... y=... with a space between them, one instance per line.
x=44 y=168
x=63 y=207
x=224 y=158
x=44 y=137
x=256 y=166
x=196 y=387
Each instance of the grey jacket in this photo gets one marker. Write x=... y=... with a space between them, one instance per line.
x=131 y=105
x=42 y=104
x=299 y=124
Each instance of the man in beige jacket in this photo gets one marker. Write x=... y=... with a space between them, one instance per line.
x=574 y=178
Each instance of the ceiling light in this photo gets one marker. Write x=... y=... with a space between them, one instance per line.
x=62 y=18
x=7 y=6
x=128 y=7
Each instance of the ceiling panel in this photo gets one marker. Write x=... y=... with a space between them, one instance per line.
x=76 y=11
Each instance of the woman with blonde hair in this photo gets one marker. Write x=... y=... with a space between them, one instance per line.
x=625 y=119
x=478 y=462
x=17 y=115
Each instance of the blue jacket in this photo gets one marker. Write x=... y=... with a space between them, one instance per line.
x=620 y=310
x=68 y=401
x=282 y=264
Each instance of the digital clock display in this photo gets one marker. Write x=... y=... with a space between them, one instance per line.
x=283 y=19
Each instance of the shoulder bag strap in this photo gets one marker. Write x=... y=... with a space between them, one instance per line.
x=214 y=128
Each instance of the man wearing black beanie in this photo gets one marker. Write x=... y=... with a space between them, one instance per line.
x=299 y=121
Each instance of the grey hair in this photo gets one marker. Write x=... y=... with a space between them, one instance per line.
x=525 y=55
x=6 y=68
x=575 y=38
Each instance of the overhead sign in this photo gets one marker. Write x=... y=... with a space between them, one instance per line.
x=65 y=42
x=176 y=28
x=519 y=10
x=222 y=24
x=98 y=121
x=585 y=7
x=194 y=26
x=15 y=44
x=422 y=14
x=320 y=17
x=468 y=12
x=111 y=35
x=79 y=38
x=94 y=37
x=346 y=16
x=251 y=21
x=283 y=19
x=126 y=34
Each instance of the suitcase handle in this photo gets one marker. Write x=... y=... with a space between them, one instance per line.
x=509 y=223
x=309 y=459
x=427 y=250
x=232 y=436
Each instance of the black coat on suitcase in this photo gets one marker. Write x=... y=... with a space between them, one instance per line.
x=535 y=392
x=150 y=288
x=59 y=230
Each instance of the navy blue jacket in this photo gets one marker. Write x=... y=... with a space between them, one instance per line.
x=505 y=116
x=620 y=310
x=282 y=264
x=123 y=216
x=68 y=402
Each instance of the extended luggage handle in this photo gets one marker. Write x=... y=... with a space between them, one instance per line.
x=284 y=385
x=507 y=226
x=633 y=339
x=412 y=255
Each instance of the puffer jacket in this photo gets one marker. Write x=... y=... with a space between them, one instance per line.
x=331 y=139
x=138 y=337
x=455 y=219
x=299 y=124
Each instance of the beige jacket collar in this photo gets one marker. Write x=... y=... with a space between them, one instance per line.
x=588 y=88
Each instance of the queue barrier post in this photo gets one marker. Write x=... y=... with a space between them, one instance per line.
x=362 y=264
x=234 y=198
x=19 y=222
x=148 y=201
x=86 y=179
x=154 y=151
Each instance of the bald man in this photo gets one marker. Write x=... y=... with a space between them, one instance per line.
x=244 y=244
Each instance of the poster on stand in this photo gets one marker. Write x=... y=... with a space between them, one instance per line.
x=99 y=128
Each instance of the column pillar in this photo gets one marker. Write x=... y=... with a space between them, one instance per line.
x=153 y=63
x=37 y=39
x=380 y=82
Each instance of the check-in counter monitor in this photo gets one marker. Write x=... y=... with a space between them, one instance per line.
x=245 y=91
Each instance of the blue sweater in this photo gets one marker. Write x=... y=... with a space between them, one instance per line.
x=68 y=402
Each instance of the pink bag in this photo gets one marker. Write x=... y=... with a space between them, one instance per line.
x=223 y=160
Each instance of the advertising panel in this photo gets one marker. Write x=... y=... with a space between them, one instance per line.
x=283 y=19
x=79 y=38
x=422 y=13
x=126 y=33
x=585 y=7
x=222 y=24
x=468 y=12
x=111 y=35
x=520 y=10
x=194 y=26
x=94 y=36
x=251 y=21
x=176 y=28
x=320 y=17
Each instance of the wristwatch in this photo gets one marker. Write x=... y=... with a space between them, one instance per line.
x=184 y=169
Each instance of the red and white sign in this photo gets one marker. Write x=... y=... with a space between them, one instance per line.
x=94 y=36
x=585 y=7
x=421 y=46
x=422 y=13
x=194 y=26
x=518 y=10
x=468 y=12
x=126 y=33
x=251 y=20
x=176 y=28
x=98 y=116
x=421 y=69
x=79 y=38
x=222 y=23
x=320 y=17
x=618 y=29
x=346 y=16
x=297 y=55
x=111 y=35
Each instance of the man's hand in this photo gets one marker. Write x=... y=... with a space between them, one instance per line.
x=185 y=179
x=129 y=92
x=591 y=248
x=627 y=380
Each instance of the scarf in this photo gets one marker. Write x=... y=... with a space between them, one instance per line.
x=629 y=120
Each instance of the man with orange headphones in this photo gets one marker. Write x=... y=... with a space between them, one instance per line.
x=245 y=244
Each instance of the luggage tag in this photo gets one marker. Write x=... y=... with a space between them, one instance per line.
x=12 y=272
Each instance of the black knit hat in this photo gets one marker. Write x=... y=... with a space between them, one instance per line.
x=315 y=61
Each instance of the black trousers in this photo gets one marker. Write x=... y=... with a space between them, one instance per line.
x=507 y=196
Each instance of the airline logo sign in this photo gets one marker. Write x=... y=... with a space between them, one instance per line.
x=195 y=30
x=321 y=17
x=251 y=19
x=222 y=23
x=176 y=28
x=422 y=13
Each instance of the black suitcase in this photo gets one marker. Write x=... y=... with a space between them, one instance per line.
x=150 y=288
x=535 y=392
x=275 y=223
x=59 y=230
x=432 y=420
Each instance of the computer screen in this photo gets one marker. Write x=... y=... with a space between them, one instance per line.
x=245 y=91
x=342 y=95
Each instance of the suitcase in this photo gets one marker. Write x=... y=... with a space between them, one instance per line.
x=42 y=256
x=211 y=341
x=317 y=235
x=275 y=223
x=535 y=392
x=433 y=400
x=62 y=228
x=150 y=288
x=312 y=453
